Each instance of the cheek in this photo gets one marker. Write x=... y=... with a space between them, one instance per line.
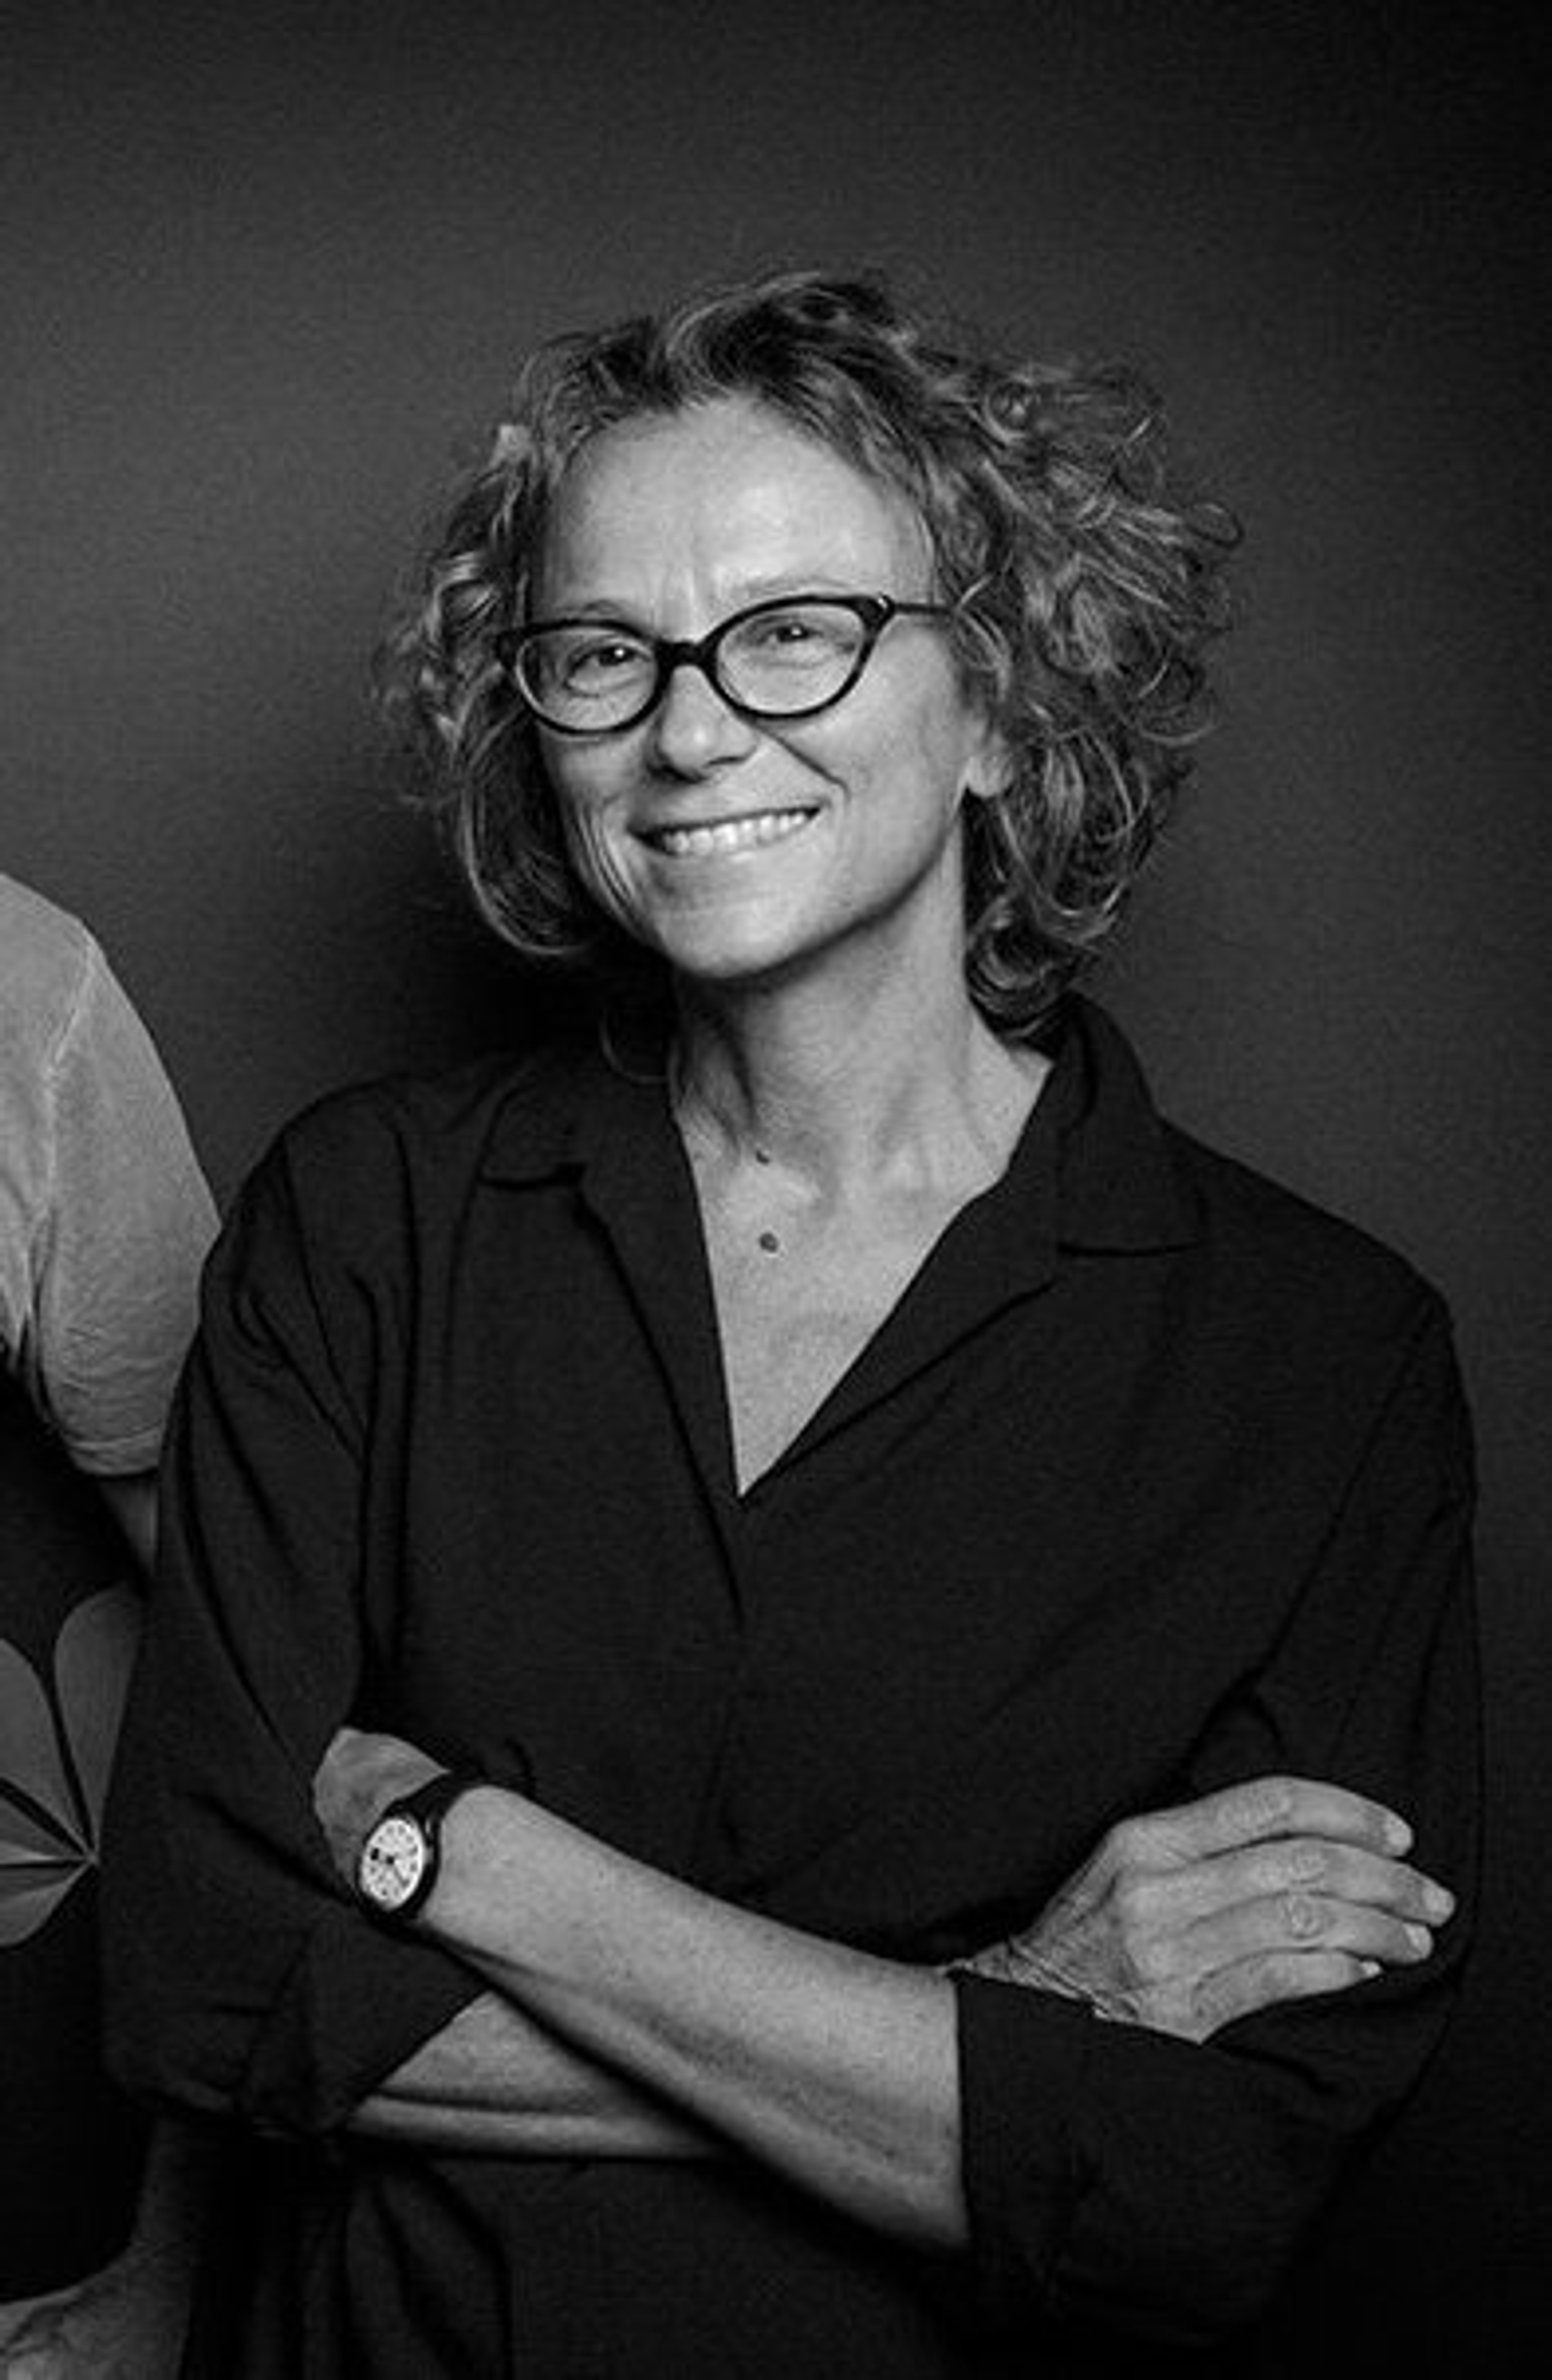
x=902 y=761
x=925 y=740
x=576 y=801
x=594 y=848
x=919 y=774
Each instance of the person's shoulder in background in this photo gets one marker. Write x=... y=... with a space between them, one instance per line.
x=45 y=957
x=104 y=1214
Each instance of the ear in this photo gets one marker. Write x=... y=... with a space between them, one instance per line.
x=989 y=764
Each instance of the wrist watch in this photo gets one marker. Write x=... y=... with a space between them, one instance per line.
x=398 y=1865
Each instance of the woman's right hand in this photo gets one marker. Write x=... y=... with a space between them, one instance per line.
x=1189 y=1918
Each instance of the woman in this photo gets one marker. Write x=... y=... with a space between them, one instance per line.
x=735 y=1529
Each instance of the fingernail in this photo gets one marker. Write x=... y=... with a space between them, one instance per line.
x=1421 y=1939
x=1437 y=1902
x=1398 y=1834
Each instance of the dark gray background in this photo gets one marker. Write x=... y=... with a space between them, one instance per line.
x=266 y=272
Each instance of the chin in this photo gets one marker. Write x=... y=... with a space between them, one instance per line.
x=725 y=965
x=725 y=947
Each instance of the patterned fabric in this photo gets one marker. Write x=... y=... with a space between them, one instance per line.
x=70 y=1622
x=105 y=1219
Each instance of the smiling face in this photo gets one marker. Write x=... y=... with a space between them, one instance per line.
x=744 y=850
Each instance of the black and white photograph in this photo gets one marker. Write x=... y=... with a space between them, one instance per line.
x=775 y=1266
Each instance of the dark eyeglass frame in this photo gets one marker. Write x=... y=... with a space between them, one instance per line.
x=670 y=653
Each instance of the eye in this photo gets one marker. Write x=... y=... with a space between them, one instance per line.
x=797 y=635
x=786 y=628
x=593 y=661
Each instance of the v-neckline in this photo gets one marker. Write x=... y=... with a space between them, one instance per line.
x=637 y=1178
x=968 y=1270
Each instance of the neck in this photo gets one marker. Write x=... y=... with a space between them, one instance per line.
x=890 y=1088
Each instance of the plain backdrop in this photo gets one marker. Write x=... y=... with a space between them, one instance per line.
x=266 y=273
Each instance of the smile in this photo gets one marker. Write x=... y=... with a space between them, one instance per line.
x=728 y=834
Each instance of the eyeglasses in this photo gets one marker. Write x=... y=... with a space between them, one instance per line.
x=785 y=658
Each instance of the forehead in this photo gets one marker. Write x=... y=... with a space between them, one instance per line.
x=730 y=493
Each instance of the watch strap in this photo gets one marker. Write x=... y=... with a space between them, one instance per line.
x=429 y=1803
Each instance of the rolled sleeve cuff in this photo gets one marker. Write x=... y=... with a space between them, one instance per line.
x=359 y=2002
x=1124 y=2179
x=1024 y=2058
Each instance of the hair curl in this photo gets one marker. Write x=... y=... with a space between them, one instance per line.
x=1085 y=592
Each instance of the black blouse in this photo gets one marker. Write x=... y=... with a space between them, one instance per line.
x=1155 y=1479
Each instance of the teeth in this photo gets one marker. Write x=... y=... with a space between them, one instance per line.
x=729 y=835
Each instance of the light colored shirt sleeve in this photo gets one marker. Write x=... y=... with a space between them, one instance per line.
x=105 y=1220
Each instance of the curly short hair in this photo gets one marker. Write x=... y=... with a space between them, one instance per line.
x=1083 y=590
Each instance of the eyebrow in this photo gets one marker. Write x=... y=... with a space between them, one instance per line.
x=588 y=608
x=769 y=587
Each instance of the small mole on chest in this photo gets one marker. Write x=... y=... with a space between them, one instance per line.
x=768 y=1240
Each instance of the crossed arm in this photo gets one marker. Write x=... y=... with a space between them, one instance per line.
x=625 y=2016
x=630 y=2014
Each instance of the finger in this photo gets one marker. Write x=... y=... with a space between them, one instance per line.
x=1272 y=1980
x=1305 y=1864
x=1262 y=1810
x=1291 y=1923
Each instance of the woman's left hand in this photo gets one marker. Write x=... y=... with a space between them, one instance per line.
x=1188 y=1919
x=356 y=1778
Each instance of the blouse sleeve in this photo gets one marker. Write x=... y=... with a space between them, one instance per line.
x=1122 y=2177
x=124 y=1224
x=242 y=1979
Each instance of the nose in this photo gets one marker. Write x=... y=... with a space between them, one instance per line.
x=693 y=730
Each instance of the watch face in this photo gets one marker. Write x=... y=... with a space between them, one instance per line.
x=393 y=1861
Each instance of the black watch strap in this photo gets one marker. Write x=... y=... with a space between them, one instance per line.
x=429 y=1803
